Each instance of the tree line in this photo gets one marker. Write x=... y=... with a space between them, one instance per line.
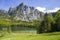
x=48 y=24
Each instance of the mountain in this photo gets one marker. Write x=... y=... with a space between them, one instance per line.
x=25 y=13
x=3 y=14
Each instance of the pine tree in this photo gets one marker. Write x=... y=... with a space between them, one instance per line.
x=57 y=17
x=46 y=24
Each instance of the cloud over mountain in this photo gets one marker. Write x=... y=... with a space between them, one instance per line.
x=53 y=10
x=43 y=9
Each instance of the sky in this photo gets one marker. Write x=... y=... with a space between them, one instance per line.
x=41 y=5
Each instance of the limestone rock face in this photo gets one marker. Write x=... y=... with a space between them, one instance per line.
x=3 y=14
x=25 y=13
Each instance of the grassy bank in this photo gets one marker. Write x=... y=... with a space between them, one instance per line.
x=22 y=36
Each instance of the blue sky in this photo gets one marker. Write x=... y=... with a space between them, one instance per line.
x=43 y=4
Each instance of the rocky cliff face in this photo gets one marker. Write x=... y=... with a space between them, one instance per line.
x=23 y=12
x=3 y=14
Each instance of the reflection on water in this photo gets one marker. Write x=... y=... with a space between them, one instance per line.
x=26 y=31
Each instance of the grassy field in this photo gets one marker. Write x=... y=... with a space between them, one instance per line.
x=22 y=36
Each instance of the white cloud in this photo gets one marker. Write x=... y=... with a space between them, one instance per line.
x=41 y=9
x=53 y=10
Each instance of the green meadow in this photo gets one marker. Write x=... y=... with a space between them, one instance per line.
x=26 y=36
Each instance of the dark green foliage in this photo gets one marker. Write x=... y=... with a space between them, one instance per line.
x=57 y=18
x=46 y=24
